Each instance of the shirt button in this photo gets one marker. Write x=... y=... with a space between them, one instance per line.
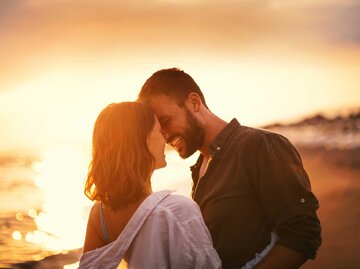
x=302 y=200
x=218 y=148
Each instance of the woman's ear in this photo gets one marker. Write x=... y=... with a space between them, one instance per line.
x=193 y=102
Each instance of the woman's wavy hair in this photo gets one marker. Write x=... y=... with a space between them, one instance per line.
x=121 y=165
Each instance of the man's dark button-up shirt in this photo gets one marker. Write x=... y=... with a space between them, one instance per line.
x=255 y=184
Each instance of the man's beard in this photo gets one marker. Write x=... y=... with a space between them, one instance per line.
x=193 y=136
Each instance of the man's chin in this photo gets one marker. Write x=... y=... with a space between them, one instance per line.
x=181 y=152
x=184 y=154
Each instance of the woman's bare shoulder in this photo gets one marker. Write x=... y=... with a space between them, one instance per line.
x=93 y=238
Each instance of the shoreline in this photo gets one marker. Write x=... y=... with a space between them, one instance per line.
x=56 y=261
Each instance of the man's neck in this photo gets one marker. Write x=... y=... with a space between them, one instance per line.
x=213 y=126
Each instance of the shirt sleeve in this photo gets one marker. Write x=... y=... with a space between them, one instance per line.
x=284 y=190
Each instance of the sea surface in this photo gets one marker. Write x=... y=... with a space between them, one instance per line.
x=43 y=210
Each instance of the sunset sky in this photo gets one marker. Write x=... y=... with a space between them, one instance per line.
x=261 y=61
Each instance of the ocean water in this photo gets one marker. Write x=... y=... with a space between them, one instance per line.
x=43 y=210
x=20 y=200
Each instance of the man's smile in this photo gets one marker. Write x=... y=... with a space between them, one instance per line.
x=175 y=142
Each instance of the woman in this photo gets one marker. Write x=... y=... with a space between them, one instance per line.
x=129 y=223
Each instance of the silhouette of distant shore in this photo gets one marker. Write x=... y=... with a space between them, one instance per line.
x=319 y=131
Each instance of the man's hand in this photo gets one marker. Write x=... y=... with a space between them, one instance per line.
x=281 y=257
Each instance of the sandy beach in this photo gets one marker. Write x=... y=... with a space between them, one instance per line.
x=335 y=178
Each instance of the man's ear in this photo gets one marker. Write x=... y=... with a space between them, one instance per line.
x=193 y=102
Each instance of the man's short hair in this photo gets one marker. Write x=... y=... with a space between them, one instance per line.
x=172 y=82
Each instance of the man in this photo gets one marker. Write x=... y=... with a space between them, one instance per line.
x=249 y=183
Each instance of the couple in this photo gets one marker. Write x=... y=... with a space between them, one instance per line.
x=254 y=206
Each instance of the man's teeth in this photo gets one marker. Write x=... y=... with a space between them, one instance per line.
x=175 y=142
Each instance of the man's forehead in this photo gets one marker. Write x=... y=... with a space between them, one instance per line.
x=163 y=105
x=161 y=99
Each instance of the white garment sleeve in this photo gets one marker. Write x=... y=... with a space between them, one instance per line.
x=189 y=238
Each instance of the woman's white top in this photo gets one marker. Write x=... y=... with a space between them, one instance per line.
x=166 y=231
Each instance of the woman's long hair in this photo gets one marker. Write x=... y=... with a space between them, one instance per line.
x=121 y=165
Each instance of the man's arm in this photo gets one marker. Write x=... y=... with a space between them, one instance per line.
x=282 y=257
x=284 y=190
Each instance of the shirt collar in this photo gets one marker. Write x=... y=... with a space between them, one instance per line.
x=219 y=141
x=223 y=136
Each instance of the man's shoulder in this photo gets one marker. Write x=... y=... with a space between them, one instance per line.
x=251 y=140
x=246 y=134
x=255 y=131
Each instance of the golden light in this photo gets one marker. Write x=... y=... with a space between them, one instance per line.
x=61 y=224
x=16 y=235
x=71 y=266
x=32 y=213
x=19 y=216
x=178 y=181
